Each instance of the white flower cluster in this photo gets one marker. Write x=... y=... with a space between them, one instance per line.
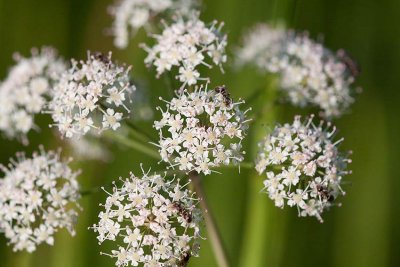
x=23 y=93
x=37 y=198
x=131 y=15
x=310 y=74
x=89 y=91
x=154 y=222
x=201 y=130
x=303 y=165
x=313 y=75
x=262 y=47
x=186 y=44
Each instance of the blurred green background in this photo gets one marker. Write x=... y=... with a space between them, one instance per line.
x=363 y=232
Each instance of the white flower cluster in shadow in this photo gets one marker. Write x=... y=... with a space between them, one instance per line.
x=262 y=47
x=91 y=95
x=153 y=222
x=37 y=198
x=313 y=75
x=187 y=44
x=303 y=165
x=201 y=130
x=131 y=15
x=310 y=74
x=23 y=93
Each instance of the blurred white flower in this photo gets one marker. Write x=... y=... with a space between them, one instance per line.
x=91 y=95
x=201 y=130
x=37 y=198
x=152 y=221
x=23 y=93
x=89 y=147
x=131 y=15
x=262 y=47
x=303 y=165
x=310 y=74
x=185 y=45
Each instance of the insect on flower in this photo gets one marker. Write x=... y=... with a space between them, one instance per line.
x=303 y=165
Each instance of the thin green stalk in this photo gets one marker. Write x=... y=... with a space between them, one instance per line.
x=213 y=233
x=133 y=144
x=243 y=165
x=138 y=133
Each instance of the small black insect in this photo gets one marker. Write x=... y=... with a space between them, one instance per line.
x=323 y=191
x=184 y=260
x=100 y=56
x=349 y=62
x=224 y=92
x=187 y=215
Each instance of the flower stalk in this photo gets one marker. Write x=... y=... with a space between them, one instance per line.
x=213 y=232
x=257 y=219
x=132 y=144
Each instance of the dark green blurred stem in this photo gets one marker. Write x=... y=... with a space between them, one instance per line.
x=90 y=191
x=169 y=82
x=254 y=236
x=96 y=189
x=136 y=145
x=212 y=229
x=138 y=133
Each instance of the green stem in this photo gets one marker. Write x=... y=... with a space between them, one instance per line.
x=90 y=191
x=256 y=225
x=243 y=165
x=139 y=133
x=213 y=233
x=133 y=144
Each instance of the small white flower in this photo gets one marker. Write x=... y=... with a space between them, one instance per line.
x=111 y=119
x=91 y=95
x=310 y=176
x=202 y=130
x=24 y=92
x=153 y=222
x=38 y=196
x=185 y=45
x=131 y=15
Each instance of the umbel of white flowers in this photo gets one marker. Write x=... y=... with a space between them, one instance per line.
x=152 y=221
x=303 y=165
x=201 y=130
x=310 y=74
x=23 y=93
x=37 y=198
x=187 y=44
x=131 y=15
x=91 y=95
